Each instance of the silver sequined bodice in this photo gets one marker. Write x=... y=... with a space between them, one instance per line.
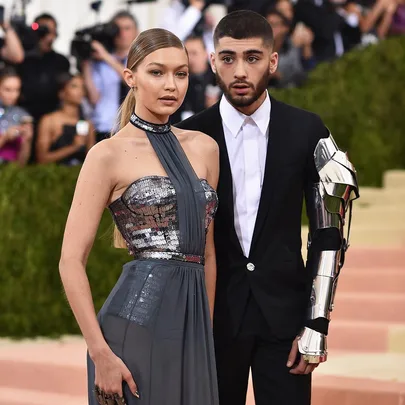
x=146 y=216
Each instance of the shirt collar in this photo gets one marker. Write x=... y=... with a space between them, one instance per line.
x=234 y=119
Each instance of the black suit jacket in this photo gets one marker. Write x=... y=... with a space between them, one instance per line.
x=279 y=282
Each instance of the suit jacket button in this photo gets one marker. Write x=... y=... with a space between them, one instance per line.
x=250 y=266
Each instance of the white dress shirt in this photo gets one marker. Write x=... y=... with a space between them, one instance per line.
x=246 y=139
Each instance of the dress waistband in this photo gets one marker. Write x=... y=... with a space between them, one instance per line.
x=182 y=257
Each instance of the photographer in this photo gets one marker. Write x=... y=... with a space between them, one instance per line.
x=103 y=74
x=11 y=47
x=40 y=70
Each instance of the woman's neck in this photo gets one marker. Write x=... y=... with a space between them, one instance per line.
x=70 y=110
x=151 y=117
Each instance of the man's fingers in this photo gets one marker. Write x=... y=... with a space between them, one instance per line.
x=293 y=353
x=300 y=368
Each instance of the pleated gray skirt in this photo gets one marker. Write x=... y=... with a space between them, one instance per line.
x=157 y=320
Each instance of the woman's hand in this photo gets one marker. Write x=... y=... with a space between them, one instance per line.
x=111 y=372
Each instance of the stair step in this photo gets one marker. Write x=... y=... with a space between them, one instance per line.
x=382 y=280
x=14 y=396
x=370 y=307
x=363 y=336
x=394 y=179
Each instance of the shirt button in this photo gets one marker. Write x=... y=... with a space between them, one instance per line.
x=250 y=266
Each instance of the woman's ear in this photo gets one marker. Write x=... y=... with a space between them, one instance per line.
x=129 y=78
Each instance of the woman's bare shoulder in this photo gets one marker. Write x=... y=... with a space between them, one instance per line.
x=198 y=138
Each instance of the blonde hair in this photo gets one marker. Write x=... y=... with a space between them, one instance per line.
x=146 y=42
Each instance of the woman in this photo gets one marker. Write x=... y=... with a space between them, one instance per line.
x=15 y=123
x=64 y=137
x=152 y=341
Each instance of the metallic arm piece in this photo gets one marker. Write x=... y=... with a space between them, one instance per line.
x=327 y=204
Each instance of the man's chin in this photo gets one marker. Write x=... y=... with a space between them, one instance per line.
x=241 y=101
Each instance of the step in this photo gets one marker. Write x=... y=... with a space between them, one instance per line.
x=379 y=216
x=370 y=236
x=383 y=280
x=370 y=307
x=380 y=258
x=357 y=379
x=394 y=179
x=366 y=336
x=380 y=197
x=13 y=396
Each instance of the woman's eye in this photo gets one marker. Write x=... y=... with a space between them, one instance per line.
x=156 y=72
x=182 y=74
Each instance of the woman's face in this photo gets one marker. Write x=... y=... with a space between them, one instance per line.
x=74 y=91
x=160 y=82
x=10 y=89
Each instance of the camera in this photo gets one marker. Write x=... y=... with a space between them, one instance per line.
x=104 y=33
x=28 y=35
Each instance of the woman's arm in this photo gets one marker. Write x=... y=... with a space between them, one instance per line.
x=91 y=196
x=26 y=144
x=212 y=161
x=44 y=142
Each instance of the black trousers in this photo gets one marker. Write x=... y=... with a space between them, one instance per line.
x=256 y=348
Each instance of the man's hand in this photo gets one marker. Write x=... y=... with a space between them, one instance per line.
x=99 y=52
x=199 y=4
x=303 y=367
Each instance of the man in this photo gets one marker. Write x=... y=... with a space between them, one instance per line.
x=40 y=72
x=103 y=75
x=202 y=91
x=271 y=154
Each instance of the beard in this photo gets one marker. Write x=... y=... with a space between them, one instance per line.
x=244 y=101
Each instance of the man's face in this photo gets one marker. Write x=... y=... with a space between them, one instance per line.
x=46 y=43
x=197 y=54
x=128 y=32
x=243 y=68
x=280 y=29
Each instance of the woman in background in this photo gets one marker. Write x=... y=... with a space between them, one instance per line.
x=64 y=137
x=16 y=129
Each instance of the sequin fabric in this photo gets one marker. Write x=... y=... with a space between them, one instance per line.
x=146 y=215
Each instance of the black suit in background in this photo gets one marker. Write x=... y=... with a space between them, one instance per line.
x=261 y=300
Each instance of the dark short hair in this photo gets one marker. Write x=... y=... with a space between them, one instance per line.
x=124 y=14
x=194 y=37
x=64 y=78
x=46 y=16
x=244 y=24
x=273 y=11
x=8 y=71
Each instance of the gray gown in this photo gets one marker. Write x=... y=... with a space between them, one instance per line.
x=156 y=318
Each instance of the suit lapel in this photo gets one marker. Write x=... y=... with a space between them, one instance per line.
x=273 y=157
x=225 y=184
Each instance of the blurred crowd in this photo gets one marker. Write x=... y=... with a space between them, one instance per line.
x=54 y=111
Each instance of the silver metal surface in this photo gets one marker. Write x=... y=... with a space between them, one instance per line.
x=313 y=346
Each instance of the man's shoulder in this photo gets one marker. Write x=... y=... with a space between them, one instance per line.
x=202 y=120
x=296 y=113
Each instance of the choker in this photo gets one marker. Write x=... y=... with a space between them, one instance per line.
x=149 y=126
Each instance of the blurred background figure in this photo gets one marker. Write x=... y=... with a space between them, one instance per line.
x=186 y=18
x=64 y=136
x=15 y=123
x=293 y=44
x=11 y=50
x=39 y=71
x=202 y=92
x=103 y=74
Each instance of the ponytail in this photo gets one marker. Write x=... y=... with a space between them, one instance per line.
x=124 y=115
